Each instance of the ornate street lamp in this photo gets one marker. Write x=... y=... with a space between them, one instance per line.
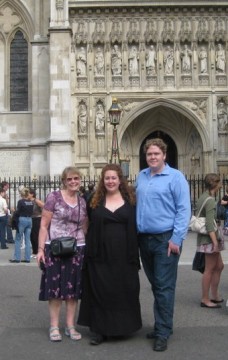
x=114 y=116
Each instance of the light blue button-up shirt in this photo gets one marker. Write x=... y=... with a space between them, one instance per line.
x=163 y=203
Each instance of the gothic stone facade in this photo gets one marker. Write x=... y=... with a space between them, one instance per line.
x=167 y=64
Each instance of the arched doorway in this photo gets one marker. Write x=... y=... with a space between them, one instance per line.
x=171 y=156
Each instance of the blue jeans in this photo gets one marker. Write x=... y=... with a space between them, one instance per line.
x=24 y=226
x=3 y=224
x=161 y=272
x=226 y=219
x=9 y=233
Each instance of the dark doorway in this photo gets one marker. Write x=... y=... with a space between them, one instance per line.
x=171 y=156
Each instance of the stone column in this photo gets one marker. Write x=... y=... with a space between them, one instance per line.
x=60 y=141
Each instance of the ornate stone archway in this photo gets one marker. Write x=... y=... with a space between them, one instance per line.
x=181 y=124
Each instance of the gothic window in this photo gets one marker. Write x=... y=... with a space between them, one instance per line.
x=19 y=73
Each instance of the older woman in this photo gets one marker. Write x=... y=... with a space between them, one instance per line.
x=110 y=297
x=211 y=244
x=64 y=214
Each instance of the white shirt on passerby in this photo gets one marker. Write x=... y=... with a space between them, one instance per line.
x=3 y=206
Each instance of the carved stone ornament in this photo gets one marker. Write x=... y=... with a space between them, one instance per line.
x=99 y=33
x=133 y=34
x=185 y=33
x=128 y=105
x=100 y=118
x=81 y=36
x=150 y=34
x=202 y=33
x=59 y=4
x=168 y=31
x=222 y=114
x=198 y=106
x=8 y=19
x=82 y=118
x=116 y=32
x=219 y=33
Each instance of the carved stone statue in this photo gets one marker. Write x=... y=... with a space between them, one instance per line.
x=222 y=116
x=150 y=61
x=82 y=119
x=168 y=60
x=100 y=118
x=186 y=59
x=99 y=62
x=220 y=59
x=203 y=60
x=116 y=61
x=81 y=62
x=133 y=61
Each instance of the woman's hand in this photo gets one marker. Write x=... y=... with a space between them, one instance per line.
x=215 y=246
x=40 y=256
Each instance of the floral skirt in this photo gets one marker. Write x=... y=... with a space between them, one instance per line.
x=61 y=278
x=208 y=248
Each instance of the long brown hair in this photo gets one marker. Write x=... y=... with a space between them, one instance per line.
x=126 y=191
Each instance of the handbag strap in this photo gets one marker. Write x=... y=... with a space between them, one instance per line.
x=78 y=222
x=209 y=197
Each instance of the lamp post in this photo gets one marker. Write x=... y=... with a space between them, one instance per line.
x=114 y=116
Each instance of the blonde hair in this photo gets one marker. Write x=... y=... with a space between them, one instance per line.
x=69 y=170
x=25 y=192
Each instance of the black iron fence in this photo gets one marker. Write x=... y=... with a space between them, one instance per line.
x=44 y=185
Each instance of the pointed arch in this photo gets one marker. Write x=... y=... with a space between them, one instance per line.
x=19 y=73
x=19 y=9
x=145 y=107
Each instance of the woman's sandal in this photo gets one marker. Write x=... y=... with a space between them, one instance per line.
x=54 y=334
x=72 y=333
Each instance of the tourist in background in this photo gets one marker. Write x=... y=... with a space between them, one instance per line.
x=9 y=234
x=24 y=213
x=36 y=219
x=3 y=218
x=211 y=244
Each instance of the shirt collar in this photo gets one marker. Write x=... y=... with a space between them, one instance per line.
x=165 y=171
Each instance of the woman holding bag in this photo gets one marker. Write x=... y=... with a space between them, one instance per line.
x=210 y=244
x=64 y=215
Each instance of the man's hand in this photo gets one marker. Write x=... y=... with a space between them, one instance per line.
x=173 y=248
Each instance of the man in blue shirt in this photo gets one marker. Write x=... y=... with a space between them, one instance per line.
x=163 y=214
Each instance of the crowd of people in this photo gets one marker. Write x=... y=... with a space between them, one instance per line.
x=114 y=226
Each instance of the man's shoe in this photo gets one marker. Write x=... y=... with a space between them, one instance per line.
x=14 y=261
x=151 y=335
x=160 y=344
x=25 y=261
x=4 y=247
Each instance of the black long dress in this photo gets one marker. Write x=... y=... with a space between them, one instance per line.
x=110 y=296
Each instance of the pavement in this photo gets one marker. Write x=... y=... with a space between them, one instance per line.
x=24 y=321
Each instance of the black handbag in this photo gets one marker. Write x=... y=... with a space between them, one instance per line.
x=220 y=211
x=199 y=262
x=64 y=246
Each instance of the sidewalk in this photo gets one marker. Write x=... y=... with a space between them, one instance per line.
x=189 y=248
x=198 y=333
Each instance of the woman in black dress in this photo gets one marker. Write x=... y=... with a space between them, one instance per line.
x=110 y=296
